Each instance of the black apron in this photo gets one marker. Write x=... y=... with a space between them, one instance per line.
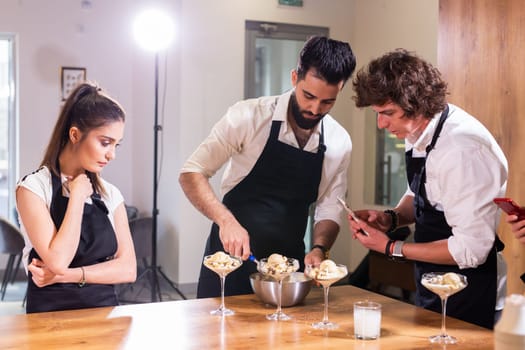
x=97 y=243
x=476 y=303
x=272 y=204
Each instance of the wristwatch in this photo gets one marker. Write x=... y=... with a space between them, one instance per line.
x=325 y=251
x=398 y=249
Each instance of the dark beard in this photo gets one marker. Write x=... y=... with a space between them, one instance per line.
x=297 y=114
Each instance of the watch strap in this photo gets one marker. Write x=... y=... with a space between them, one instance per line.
x=387 y=248
x=398 y=249
x=325 y=250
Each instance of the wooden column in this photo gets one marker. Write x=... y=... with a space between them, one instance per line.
x=481 y=53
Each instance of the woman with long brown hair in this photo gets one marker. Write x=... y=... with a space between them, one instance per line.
x=78 y=242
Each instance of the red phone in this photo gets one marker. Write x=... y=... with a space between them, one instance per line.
x=510 y=207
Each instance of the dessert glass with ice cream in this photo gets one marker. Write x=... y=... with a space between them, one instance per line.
x=278 y=267
x=222 y=264
x=326 y=274
x=444 y=284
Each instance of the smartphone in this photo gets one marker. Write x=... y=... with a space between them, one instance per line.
x=352 y=214
x=510 y=207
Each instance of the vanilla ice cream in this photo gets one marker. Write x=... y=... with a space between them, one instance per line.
x=444 y=285
x=328 y=270
x=221 y=262
x=278 y=266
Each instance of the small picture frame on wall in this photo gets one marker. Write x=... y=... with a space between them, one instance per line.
x=70 y=78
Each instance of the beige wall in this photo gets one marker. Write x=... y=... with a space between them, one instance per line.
x=56 y=33
x=379 y=26
x=204 y=76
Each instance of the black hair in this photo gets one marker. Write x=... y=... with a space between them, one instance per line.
x=332 y=60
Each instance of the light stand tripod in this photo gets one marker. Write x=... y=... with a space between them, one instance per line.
x=153 y=31
x=155 y=270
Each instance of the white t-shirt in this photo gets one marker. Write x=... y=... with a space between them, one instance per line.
x=238 y=140
x=40 y=183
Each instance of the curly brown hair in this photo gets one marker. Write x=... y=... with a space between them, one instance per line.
x=403 y=78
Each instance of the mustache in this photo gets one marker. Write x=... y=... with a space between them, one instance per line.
x=311 y=114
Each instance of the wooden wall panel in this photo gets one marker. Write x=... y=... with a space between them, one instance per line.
x=481 y=53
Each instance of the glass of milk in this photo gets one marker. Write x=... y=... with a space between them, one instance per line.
x=367 y=320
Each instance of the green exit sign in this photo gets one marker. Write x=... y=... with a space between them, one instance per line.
x=291 y=2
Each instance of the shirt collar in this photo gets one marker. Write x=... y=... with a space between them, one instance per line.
x=420 y=145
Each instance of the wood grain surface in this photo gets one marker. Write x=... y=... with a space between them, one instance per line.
x=187 y=324
x=481 y=45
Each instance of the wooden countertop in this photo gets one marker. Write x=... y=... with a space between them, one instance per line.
x=187 y=324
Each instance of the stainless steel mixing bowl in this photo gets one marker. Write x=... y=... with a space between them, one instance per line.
x=295 y=288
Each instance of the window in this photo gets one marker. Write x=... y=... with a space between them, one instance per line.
x=7 y=126
x=272 y=50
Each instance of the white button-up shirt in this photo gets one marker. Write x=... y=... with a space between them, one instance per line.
x=465 y=171
x=239 y=137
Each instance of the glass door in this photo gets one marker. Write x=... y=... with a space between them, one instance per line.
x=7 y=126
x=271 y=53
x=385 y=177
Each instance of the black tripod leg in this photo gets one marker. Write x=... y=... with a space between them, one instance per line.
x=153 y=282
x=155 y=287
x=171 y=283
x=130 y=285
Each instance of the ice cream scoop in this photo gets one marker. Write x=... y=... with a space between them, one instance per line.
x=253 y=258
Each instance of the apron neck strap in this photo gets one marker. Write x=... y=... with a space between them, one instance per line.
x=442 y=119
